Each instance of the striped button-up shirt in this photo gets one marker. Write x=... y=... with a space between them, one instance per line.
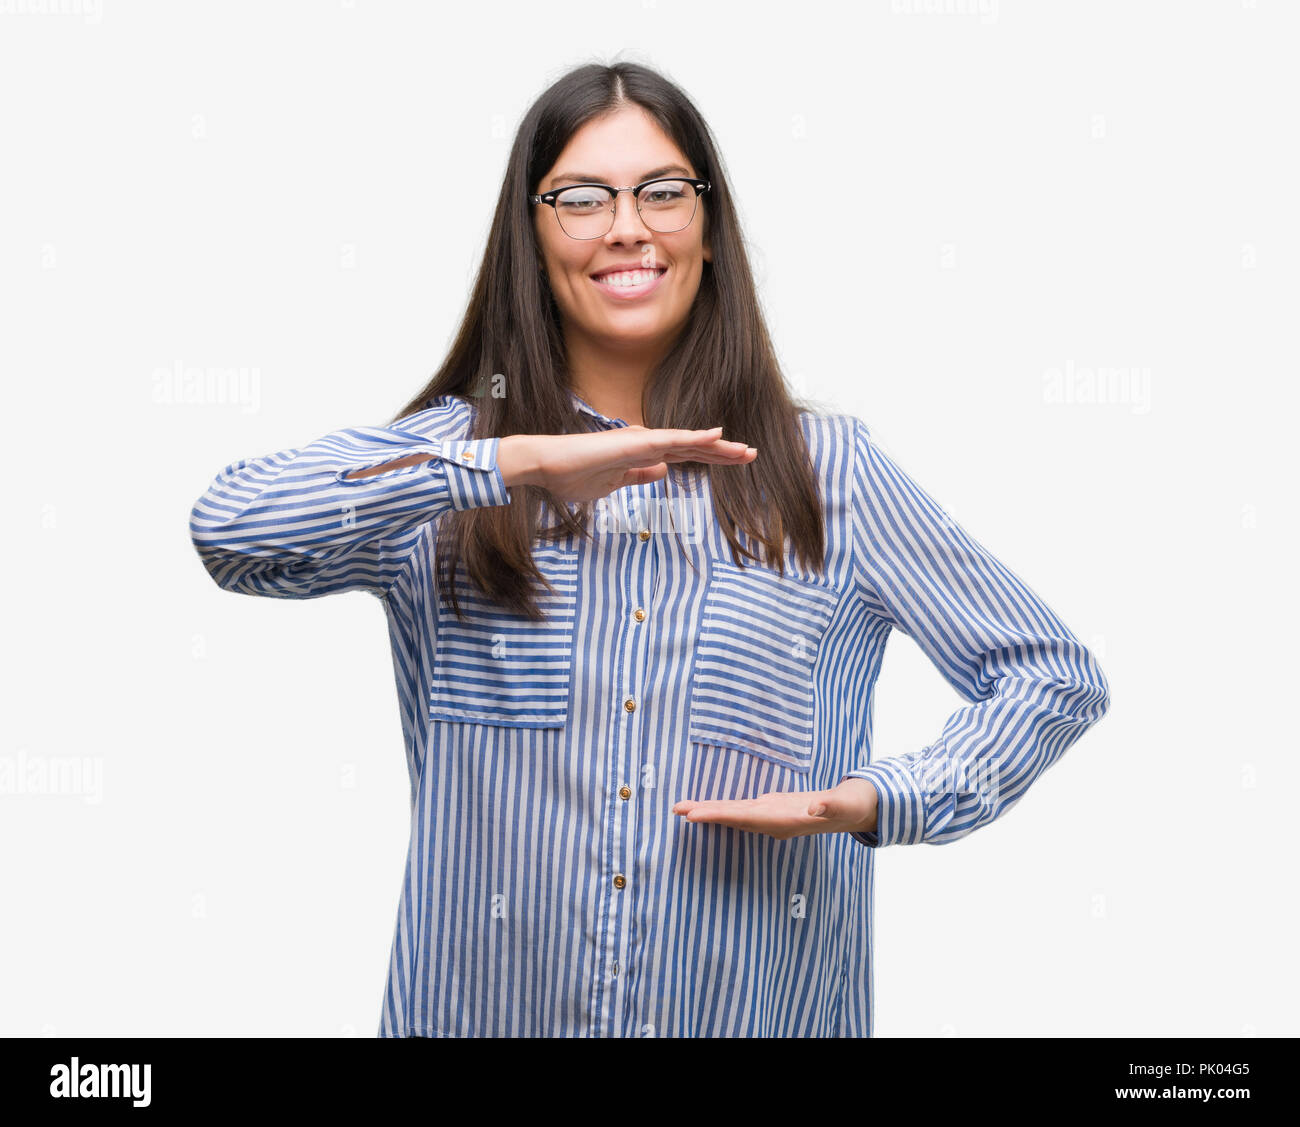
x=550 y=890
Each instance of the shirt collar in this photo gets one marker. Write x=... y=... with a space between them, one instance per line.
x=585 y=407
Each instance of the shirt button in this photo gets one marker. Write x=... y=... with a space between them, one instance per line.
x=468 y=455
x=625 y=792
x=629 y=705
x=639 y=614
x=644 y=534
x=619 y=880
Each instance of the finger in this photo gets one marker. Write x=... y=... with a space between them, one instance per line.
x=630 y=464
x=663 y=440
x=725 y=456
x=709 y=807
x=724 y=451
x=641 y=475
x=720 y=810
x=717 y=445
x=650 y=447
x=746 y=825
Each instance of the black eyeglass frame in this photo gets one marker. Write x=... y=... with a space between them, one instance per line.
x=700 y=186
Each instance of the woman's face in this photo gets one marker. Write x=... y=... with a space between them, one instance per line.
x=623 y=148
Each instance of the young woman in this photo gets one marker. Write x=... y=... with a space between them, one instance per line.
x=638 y=601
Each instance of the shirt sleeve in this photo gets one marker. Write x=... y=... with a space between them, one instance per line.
x=293 y=525
x=1033 y=689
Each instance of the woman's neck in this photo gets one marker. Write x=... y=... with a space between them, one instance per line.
x=612 y=382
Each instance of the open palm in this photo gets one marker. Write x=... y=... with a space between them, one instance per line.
x=851 y=806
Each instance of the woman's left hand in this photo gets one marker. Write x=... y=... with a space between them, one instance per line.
x=851 y=806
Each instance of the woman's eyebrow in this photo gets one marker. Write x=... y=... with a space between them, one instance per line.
x=590 y=178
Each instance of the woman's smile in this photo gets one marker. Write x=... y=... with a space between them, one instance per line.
x=628 y=284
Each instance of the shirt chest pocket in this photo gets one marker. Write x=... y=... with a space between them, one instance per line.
x=498 y=667
x=752 y=682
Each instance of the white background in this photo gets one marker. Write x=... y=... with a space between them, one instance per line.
x=988 y=194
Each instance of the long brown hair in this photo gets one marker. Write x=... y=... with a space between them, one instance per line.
x=722 y=369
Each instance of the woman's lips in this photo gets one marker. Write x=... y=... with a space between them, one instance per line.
x=629 y=284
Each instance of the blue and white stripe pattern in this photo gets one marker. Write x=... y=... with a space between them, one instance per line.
x=549 y=889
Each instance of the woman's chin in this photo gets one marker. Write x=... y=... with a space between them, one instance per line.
x=629 y=326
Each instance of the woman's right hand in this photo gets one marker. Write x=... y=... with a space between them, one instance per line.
x=583 y=467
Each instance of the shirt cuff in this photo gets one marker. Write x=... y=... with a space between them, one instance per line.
x=900 y=813
x=468 y=464
x=472 y=472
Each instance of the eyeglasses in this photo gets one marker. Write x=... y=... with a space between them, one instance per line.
x=586 y=211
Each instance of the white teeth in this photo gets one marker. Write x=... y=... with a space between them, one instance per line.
x=628 y=278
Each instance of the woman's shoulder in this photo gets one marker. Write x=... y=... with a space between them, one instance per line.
x=830 y=426
x=443 y=417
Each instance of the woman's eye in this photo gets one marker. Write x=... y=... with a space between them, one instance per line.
x=581 y=200
x=662 y=197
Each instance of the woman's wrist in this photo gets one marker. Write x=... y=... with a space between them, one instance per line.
x=517 y=459
x=865 y=792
